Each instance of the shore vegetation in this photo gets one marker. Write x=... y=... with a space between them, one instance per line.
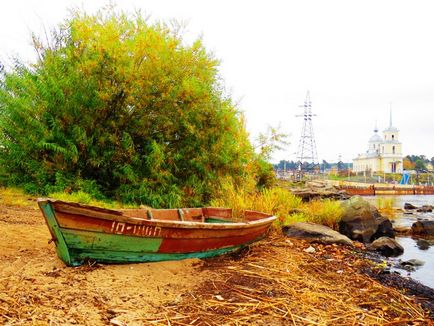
x=121 y=108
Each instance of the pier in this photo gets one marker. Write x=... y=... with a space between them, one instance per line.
x=385 y=189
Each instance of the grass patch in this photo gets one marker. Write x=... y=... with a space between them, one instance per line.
x=82 y=197
x=327 y=212
x=15 y=197
x=281 y=203
x=385 y=206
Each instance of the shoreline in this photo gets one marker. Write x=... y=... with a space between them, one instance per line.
x=273 y=282
x=423 y=293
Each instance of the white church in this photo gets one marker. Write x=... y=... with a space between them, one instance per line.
x=384 y=154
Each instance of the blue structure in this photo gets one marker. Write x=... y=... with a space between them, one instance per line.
x=405 y=178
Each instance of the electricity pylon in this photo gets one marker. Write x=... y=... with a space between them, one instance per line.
x=307 y=154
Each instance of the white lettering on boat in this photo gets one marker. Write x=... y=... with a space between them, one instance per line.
x=138 y=230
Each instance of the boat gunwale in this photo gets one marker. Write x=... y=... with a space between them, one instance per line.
x=119 y=216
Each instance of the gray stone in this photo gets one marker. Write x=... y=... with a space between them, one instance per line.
x=409 y=206
x=315 y=233
x=362 y=222
x=387 y=247
x=423 y=244
x=309 y=250
x=412 y=262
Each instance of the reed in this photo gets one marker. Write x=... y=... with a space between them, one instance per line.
x=385 y=206
x=327 y=212
x=277 y=201
x=281 y=203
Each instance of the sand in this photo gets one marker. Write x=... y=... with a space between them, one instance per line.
x=37 y=288
x=275 y=282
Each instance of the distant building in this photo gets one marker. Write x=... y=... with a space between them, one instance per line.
x=384 y=155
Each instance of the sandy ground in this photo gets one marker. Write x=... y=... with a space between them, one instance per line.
x=274 y=283
x=37 y=288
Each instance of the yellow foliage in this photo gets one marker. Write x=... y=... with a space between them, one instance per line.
x=326 y=212
x=385 y=206
x=281 y=203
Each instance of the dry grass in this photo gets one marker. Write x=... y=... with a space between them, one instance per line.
x=84 y=198
x=279 y=284
x=385 y=206
x=281 y=203
x=15 y=197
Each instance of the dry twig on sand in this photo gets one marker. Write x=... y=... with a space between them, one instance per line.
x=277 y=283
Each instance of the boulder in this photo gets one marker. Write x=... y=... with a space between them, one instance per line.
x=387 y=247
x=423 y=228
x=409 y=206
x=425 y=209
x=362 y=222
x=315 y=233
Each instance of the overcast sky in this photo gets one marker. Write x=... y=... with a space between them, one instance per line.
x=355 y=58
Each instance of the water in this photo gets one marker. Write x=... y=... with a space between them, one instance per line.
x=424 y=274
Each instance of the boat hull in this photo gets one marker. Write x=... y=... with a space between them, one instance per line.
x=83 y=233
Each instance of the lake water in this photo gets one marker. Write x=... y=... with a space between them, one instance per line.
x=425 y=273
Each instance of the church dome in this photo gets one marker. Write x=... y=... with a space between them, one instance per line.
x=376 y=138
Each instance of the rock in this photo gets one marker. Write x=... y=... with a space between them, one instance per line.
x=423 y=244
x=425 y=209
x=387 y=247
x=319 y=189
x=409 y=206
x=412 y=262
x=401 y=229
x=384 y=229
x=315 y=233
x=309 y=250
x=423 y=228
x=362 y=222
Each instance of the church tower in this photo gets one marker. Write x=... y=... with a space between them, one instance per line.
x=391 y=149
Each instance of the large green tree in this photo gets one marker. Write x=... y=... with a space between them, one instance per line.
x=121 y=108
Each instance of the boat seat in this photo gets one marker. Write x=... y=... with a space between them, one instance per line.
x=191 y=215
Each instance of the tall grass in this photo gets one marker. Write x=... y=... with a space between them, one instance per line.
x=15 y=197
x=385 y=205
x=276 y=201
x=87 y=199
x=281 y=203
x=327 y=212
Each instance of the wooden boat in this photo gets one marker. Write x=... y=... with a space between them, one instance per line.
x=85 y=233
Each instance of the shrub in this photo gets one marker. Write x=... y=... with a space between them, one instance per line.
x=120 y=108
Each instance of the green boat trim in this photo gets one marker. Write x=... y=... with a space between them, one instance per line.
x=56 y=233
x=118 y=257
